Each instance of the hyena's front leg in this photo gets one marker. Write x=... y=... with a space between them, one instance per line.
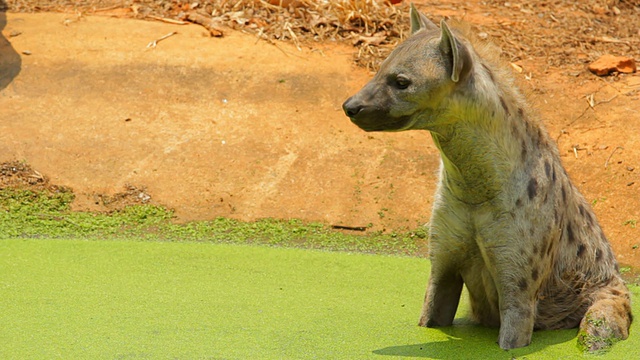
x=517 y=315
x=442 y=297
x=516 y=294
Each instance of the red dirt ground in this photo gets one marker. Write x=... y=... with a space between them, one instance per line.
x=242 y=128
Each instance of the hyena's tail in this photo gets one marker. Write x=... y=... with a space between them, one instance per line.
x=608 y=319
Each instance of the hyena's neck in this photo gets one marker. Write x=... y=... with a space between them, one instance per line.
x=483 y=135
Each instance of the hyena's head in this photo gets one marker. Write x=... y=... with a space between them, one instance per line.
x=408 y=91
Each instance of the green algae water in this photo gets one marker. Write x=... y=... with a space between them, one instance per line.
x=79 y=299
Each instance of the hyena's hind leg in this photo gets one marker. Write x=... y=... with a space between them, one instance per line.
x=608 y=319
x=442 y=297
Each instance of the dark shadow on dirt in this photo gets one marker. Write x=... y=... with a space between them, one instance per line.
x=476 y=342
x=10 y=61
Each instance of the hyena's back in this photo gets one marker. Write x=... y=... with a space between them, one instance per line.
x=506 y=221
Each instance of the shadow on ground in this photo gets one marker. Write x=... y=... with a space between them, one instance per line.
x=477 y=340
x=10 y=61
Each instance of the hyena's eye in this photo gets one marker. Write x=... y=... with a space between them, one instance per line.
x=401 y=82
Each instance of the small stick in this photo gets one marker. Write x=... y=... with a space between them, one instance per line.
x=205 y=21
x=606 y=101
x=606 y=163
x=353 y=228
x=154 y=43
x=170 y=21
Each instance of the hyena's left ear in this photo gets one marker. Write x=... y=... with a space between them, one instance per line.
x=419 y=21
x=457 y=52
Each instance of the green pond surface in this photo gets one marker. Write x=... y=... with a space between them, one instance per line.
x=79 y=299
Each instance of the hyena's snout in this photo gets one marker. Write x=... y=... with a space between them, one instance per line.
x=371 y=113
x=360 y=113
x=367 y=110
x=353 y=107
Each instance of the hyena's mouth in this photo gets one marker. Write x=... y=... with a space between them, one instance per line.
x=374 y=117
x=382 y=124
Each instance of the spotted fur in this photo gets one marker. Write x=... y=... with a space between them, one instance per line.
x=507 y=222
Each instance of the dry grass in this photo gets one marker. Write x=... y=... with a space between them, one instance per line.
x=373 y=26
x=568 y=32
x=562 y=32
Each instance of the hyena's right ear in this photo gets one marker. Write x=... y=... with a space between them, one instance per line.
x=419 y=21
x=456 y=51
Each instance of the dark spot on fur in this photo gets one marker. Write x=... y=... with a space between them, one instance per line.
x=556 y=216
x=615 y=292
x=547 y=168
x=564 y=195
x=522 y=284
x=519 y=202
x=581 y=249
x=514 y=131
x=489 y=72
x=553 y=175
x=540 y=138
x=524 y=151
x=520 y=112
x=504 y=106
x=581 y=209
x=570 y=235
x=549 y=246
x=535 y=249
x=530 y=260
x=590 y=219
x=598 y=255
x=532 y=188
x=534 y=274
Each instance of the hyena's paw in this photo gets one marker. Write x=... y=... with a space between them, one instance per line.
x=513 y=341
x=603 y=325
x=515 y=330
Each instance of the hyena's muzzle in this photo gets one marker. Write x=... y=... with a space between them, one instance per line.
x=369 y=109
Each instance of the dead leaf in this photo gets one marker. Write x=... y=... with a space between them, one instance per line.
x=517 y=67
x=375 y=40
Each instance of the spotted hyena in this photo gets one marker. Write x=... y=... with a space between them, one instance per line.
x=507 y=222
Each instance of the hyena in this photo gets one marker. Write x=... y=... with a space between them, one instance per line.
x=507 y=222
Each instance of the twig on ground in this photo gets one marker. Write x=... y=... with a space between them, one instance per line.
x=606 y=163
x=170 y=21
x=206 y=22
x=352 y=228
x=154 y=43
x=606 y=101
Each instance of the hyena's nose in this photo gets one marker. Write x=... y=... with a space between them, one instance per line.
x=351 y=107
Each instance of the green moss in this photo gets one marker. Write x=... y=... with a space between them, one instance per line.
x=27 y=202
x=596 y=344
x=29 y=214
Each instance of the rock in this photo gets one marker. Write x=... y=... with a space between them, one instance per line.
x=607 y=64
